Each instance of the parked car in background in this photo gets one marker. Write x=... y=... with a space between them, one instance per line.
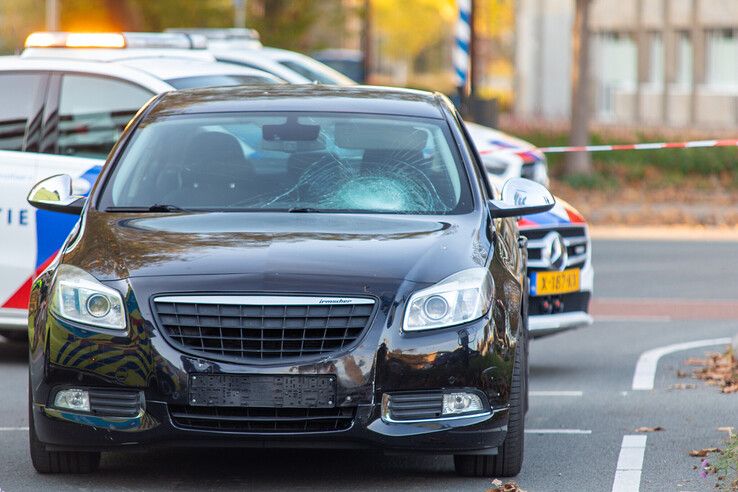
x=358 y=285
x=506 y=156
x=348 y=62
x=560 y=272
x=61 y=111
x=229 y=38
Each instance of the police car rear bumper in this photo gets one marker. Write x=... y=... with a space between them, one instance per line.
x=548 y=324
x=13 y=319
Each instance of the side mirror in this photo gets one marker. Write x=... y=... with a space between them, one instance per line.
x=522 y=197
x=55 y=194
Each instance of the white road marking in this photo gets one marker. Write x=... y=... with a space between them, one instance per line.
x=555 y=393
x=13 y=429
x=558 y=431
x=645 y=371
x=630 y=463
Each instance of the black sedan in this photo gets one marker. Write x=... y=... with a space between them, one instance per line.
x=285 y=267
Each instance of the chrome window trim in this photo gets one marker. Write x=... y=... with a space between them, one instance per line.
x=390 y=420
x=262 y=300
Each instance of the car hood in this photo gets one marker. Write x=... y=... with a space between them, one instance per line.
x=409 y=248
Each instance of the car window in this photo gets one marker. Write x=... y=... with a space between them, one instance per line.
x=220 y=81
x=287 y=161
x=20 y=100
x=93 y=112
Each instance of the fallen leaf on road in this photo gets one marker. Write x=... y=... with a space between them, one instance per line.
x=717 y=369
x=658 y=428
x=682 y=386
x=507 y=487
x=730 y=388
x=701 y=453
x=694 y=361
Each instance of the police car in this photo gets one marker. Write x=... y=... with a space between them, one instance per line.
x=63 y=104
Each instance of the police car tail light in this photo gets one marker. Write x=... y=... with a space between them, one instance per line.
x=115 y=40
x=79 y=297
x=75 y=40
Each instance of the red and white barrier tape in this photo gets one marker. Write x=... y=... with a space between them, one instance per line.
x=644 y=146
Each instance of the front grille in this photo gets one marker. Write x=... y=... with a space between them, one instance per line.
x=575 y=239
x=263 y=420
x=115 y=403
x=414 y=406
x=262 y=328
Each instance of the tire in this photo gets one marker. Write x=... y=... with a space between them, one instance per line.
x=509 y=458
x=67 y=462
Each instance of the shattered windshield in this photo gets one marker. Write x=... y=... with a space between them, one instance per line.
x=319 y=162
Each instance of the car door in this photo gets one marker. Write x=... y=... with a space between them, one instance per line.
x=22 y=95
x=82 y=118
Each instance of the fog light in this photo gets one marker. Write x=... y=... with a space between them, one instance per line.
x=73 y=399
x=454 y=403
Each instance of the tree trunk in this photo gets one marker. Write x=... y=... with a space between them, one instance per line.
x=580 y=162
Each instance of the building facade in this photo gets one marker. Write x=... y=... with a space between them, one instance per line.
x=653 y=62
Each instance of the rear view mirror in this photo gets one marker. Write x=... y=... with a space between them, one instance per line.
x=521 y=197
x=55 y=194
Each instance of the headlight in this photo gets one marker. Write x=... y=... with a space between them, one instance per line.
x=462 y=297
x=80 y=297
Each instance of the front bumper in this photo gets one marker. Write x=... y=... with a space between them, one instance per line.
x=61 y=430
x=474 y=356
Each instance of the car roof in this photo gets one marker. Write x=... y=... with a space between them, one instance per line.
x=171 y=68
x=279 y=54
x=148 y=71
x=310 y=98
x=112 y=55
x=257 y=58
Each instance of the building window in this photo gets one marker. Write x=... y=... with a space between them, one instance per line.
x=684 y=54
x=615 y=68
x=722 y=58
x=655 y=59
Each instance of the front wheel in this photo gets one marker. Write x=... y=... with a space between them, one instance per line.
x=57 y=461
x=509 y=458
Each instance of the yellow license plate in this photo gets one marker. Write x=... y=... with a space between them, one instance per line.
x=550 y=283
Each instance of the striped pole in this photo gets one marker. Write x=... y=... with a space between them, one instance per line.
x=462 y=43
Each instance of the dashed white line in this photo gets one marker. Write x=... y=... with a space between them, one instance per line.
x=555 y=393
x=645 y=371
x=559 y=431
x=13 y=429
x=630 y=463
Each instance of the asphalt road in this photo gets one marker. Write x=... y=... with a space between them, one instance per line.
x=582 y=405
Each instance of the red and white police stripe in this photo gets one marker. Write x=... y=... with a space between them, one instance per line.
x=643 y=146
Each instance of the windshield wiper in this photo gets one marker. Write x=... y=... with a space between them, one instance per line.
x=304 y=210
x=157 y=207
